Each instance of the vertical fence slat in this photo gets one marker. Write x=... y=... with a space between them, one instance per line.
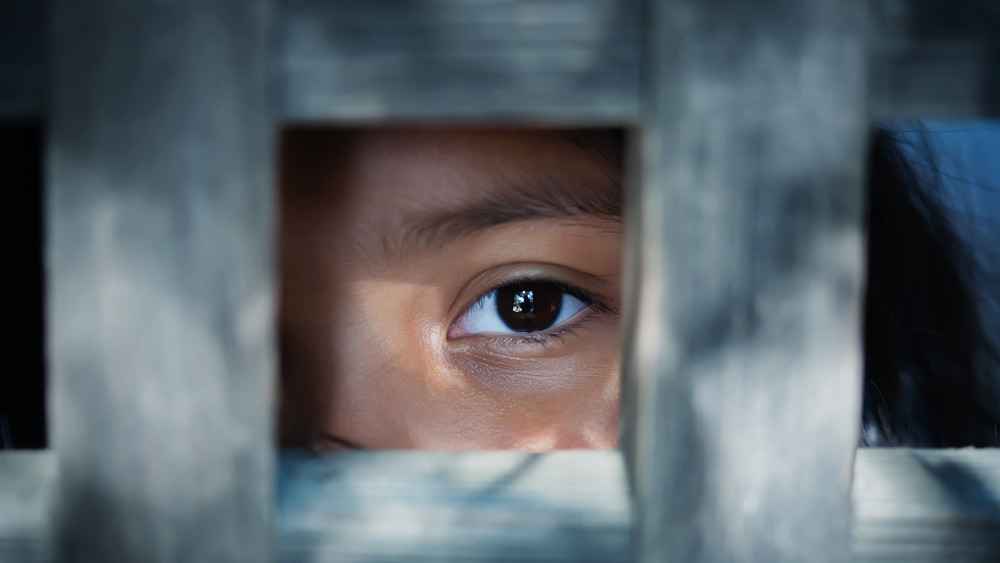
x=160 y=315
x=743 y=367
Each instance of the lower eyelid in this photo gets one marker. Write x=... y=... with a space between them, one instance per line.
x=502 y=344
x=539 y=362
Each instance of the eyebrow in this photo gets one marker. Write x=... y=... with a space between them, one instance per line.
x=547 y=198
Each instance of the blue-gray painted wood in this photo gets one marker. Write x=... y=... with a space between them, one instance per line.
x=933 y=58
x=533 y=61
x=744 y=281
x=438 y=506
x=512 y=61
x=27 y=493
x=159 y=227
x=923 y=506
x=909 y=505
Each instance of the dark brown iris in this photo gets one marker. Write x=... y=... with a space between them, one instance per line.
x=529 y=306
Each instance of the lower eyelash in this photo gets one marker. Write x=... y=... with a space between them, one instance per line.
x=549 y=338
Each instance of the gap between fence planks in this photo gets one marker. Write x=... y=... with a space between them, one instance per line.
x=570 y=62
x=924 y=506
x=23 y=68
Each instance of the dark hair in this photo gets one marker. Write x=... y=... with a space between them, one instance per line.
x=923 y=332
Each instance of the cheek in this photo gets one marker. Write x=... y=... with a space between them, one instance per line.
x=384 y=362
x=568 y=402
x=407 y=390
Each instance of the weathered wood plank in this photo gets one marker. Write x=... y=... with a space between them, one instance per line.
x=529 y=61
x=935 y=59
x=159 y=253
x=909 y=505
x=534 y=61
x=27 y=492
x=438 y=506
x=746 y=281
x=921 y=506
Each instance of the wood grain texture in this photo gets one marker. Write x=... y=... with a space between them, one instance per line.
x=533 y=61
x=27 y=492
x=512 y=61
x=745 y=284
x=909 y=505
x=439 y=506
x=159 y=218
x=935 y=59
x=921 y=506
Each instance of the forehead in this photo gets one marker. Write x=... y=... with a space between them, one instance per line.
x=394 y=169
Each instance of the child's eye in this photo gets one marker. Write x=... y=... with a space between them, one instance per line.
x=522 y=307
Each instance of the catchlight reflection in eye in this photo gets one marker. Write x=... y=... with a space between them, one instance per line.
x=522 y=307
x=521 y=298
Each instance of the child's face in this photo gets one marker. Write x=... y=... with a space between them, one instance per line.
x=449 y=289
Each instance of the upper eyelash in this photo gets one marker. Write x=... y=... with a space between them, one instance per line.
x=591 y=300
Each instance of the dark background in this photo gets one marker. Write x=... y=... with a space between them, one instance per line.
x=22 y=381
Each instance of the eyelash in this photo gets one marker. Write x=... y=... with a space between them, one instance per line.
x=591 y=303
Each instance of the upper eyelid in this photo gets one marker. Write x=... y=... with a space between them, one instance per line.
x=597 y=289
x=570 y=288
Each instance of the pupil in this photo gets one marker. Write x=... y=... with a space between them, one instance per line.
x=529 y=307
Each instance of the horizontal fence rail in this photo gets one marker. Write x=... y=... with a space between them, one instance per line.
x=935 y=59
x=28 y=482
x=909 y=505
x=921 y=506
x=471 y=506
x=523 y=60
x=540 y=61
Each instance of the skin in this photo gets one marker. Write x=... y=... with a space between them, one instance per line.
x=381 y=261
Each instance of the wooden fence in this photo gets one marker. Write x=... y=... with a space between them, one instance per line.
x=742 y=398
